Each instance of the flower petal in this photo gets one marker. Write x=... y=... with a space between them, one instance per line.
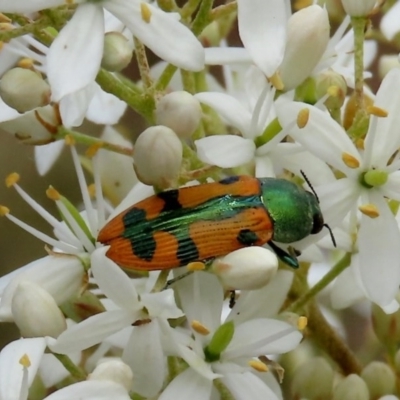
x=227 y=55
x=380 y=254
x=162 y=33
x=11 y=371
x=262 y=29
x=47 y=155
x=74 y=59
x=390 y=22
x=24 y=7
x=225 y=151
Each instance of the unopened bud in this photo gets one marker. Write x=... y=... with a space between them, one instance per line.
x=334 y=85
x=351 y=388
x=308 y=36
x=313 y=380
x=358 y=8
x=24 y=89
x=158 y=156
x=379 y=378
x=36 y=312
x=117 y=52
x=246 y=269
x=113 y=370
x=211 y=35
x=386 y=327
x=180 y=111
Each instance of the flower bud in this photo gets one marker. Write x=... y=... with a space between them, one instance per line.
x=246 y=269
x=158 y=156
x=386 y=327
x=358 y=8
x=313 y=380
x=117 y=52
x=333 y=84
x=180 y=111
x=113 y=369
x=211 y=35
x=307 y=38
x=379 y=378
x=24 y=90
x=351 y=388
x=35 y=311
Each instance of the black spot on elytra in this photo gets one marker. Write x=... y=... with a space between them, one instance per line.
x=171 y=201
x=145 y=246
x=247 y=237
x=187 y=250
x=229 y=180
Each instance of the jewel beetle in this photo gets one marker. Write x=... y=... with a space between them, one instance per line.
x=198 y=223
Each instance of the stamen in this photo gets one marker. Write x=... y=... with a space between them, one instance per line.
x=196 y=266
x=258 y=365
x=199 y=328
x=302 y=323
x=350 y=160
x=12 y=179
x=377 y=111
x=302 y=117
x=26 y=63
x=255 y=118
x=100 y=202
x=65 y=247
x=276 y=81
x=83 y=186
x=25 y=361
x=146 y=12
x=4 y=211
x=370 y=210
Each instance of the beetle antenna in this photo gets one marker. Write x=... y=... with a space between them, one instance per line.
x=311 y=187
x=331 y=233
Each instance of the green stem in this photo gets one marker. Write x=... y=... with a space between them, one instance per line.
x=330 y=341
x=78 y=373
x=340 y=266
x=225 y=394
x=202 y=18
x=143 y=64
x=165 y=78
x=161 y=281
x=143 y=104
x=359 y=24
x=92 y=141
x=188 y=81
x=223 y=11
x=189 y=8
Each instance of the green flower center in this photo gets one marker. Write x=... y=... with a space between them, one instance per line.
x=373 y=178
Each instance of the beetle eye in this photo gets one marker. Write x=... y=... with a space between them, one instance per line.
x=318 y=223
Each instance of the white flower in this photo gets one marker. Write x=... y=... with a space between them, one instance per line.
x=371 y=176
x=148 y=312
x=225 y=351
x=390 y=21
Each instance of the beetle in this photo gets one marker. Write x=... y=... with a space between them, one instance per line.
x=198 y=223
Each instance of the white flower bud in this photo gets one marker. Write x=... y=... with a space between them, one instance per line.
x=358 y=8
x=180 y=111
x=35 y=311
x=115 y=370
x=351 y=388
x=158 y=156
x=379 y=378
x=24 y=90
x=246 y=269
x=313 y=380
x=307 y=38
x=333 y=84
x=117 y=52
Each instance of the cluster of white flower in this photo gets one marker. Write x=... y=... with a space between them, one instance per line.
x=97 y=318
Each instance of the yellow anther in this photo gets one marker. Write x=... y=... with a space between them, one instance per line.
x=69 y=140
x=26 y=63
x=370 y=210
x=92 y=190
x=302 y=323
x=258 y=365
x=12 y=179
x=146 y=12
x=276 y=81
x=350 y=160
x=199 y=328
x=196 y=266
x=377 y=111
x=4 y=211
x=6 y=26
x=333 y=91
x=53 y=194
x=4 y=18
x=302 y=117
x=360 y=144
x=25 y=361
x=93 y=149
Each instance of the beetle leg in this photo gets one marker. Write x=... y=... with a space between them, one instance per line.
x=285 y=257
